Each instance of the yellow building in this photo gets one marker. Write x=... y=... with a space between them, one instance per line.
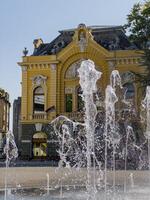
x=50 y=83
x=4 y=118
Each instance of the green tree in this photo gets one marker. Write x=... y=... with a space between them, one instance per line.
x=138 y=26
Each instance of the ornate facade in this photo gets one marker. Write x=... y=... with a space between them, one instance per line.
x=50 y=83
x=4 y=118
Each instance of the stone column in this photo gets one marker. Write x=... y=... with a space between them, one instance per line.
x=24 y=93
x=53 y=89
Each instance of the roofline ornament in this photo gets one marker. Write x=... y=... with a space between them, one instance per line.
x=81 y=37
x=25 y=52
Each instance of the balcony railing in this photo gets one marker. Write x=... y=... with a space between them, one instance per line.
x=39 y=116
x=75 y=116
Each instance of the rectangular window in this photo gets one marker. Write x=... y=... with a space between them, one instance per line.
x=38 y=103
x=68 y=102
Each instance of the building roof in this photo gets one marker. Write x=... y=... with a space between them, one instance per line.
x=110 y=37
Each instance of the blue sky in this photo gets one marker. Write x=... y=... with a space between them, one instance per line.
x=22 y=21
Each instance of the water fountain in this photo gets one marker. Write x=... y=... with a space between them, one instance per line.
x=111 y=134
x=47 y=183
x=11 y=152
x=129 y=134
x=146 y=107
x=81 y=175
x=88 y=78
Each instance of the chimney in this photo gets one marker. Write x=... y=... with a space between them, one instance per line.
x=37 y=43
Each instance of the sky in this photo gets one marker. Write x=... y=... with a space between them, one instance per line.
x=22 y=21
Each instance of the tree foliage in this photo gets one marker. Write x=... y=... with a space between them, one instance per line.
x=138 y=26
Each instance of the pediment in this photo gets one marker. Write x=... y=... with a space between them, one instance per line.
x=91 y=48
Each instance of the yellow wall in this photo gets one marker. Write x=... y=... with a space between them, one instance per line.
x=123 y=60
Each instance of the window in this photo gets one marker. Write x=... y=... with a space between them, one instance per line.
x=72 y=72
x=38 y=100
x=129 y=90
x=39 y=145
x=68 y=102
x=79 y=99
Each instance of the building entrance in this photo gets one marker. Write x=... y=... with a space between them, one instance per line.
x=40 y=145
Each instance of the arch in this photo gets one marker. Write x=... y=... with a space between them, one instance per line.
x=39 y=140
x=74 y=82
x=77 y=58
x=71 y=72
x=40 y=135
x=37 y=81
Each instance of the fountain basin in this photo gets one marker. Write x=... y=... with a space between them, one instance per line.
x=34 y=177
x=70 y=184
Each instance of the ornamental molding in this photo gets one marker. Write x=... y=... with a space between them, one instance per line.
x=124 y=61
x=38 y=127
x=111 y=64
x=24 y=68
x=82 y=42
x=69 y=90
x=82 y=36
x=53 y=66
x=39 y=66
x=38 y=80
x=26 y=141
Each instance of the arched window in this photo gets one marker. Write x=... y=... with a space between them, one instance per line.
x=129 y=90
x=71 y=72
x=80 y=102
x=38 y=100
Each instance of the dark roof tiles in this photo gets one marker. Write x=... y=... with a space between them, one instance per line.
x=110 y=37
